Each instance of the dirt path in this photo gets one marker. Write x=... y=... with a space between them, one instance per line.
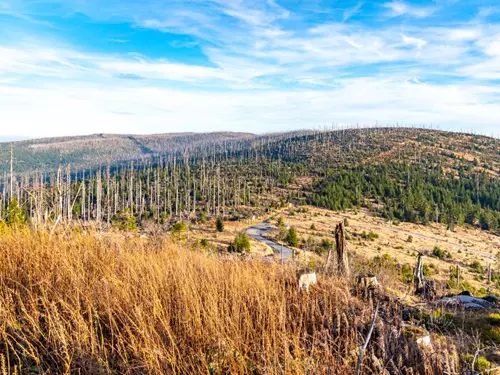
x=257 y=233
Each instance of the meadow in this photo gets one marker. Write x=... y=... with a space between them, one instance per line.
x=83 y=302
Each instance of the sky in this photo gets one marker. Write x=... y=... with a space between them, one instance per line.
x=149 y=66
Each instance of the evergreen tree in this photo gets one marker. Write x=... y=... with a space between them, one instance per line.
x=219 y=224
x=292 y=238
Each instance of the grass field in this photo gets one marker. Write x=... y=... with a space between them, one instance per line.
x=88 y=303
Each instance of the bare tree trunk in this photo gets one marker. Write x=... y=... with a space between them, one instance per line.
x=342 y=260
x=99 y=196
x=418 y=275
x=11 y=193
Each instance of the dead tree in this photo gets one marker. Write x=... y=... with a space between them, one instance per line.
x=342 y=261
x=329 y=259
x=423 y=287
x=418 y=275
x=11 y=192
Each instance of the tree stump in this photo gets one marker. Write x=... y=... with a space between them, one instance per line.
x=342 y=260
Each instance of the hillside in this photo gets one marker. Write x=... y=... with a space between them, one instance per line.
x=413 y=175
x=90 y=151
x=220 y=300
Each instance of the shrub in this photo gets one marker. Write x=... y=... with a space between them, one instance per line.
x=202 y=217
x=438 y=253
x=292 y=238
x=409 y=239
x=385 y=261
x=406 y=273
x=219 y=225
x=346 y=222
x=179 y=228
x=124 y=221
x=241 y=243
x=280 y=223
x=427 y=270
x=441 y=254
x=313 y=227
x=325 y=245
x=477 y=267
x=369 y=236
x=481 y=364
x=15 y=215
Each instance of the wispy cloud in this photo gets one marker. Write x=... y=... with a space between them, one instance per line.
x=348 y=13
x=256 y=62
x=408 y=40
x=399 y=8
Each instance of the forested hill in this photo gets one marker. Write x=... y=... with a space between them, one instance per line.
x=84 y=152
x=318 y=149
x=416 y=175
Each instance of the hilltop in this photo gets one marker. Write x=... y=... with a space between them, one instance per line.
x=83 y=152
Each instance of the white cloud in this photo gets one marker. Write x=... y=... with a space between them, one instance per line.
x=258 y=68
x=64 y=109
x=399 y=8
x=348 y=13
x=419 y=43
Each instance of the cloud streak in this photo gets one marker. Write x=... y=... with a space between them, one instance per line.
x=271 y=64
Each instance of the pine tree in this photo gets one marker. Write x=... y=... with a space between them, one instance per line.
x=219 y=224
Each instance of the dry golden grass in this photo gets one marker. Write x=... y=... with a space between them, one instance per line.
x=89 y=304
x=465 y=245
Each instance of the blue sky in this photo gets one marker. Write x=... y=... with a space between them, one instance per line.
x=149 y=66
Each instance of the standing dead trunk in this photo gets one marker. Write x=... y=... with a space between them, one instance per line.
x=329 y=257
x=342 y=260
x=418 y=275
x=11 y=192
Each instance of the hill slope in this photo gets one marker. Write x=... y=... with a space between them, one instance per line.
x=93 y=150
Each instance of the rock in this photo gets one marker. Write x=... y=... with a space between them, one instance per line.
x=467 y=302
x=306 y=277
x=424 y=342
x=492 y=299
x=420 y=335
x=367 y=282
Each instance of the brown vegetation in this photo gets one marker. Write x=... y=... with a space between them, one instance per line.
x=99 y=304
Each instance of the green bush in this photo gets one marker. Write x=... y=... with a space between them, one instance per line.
x=369 y=236
x=427 y=270
x=179 y=228
x=202 y=217
x=324 y=246
x=406 y=273
x=280 y=223
x=241 y=243
x=292 y=238
x=481 y=364
x=385 y=261
x=477 y=267
x=124 y=221
x=219 y=225
x=15 y=215
x=438 y=253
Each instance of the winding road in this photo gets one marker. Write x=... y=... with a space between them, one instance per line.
x=257 y=233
